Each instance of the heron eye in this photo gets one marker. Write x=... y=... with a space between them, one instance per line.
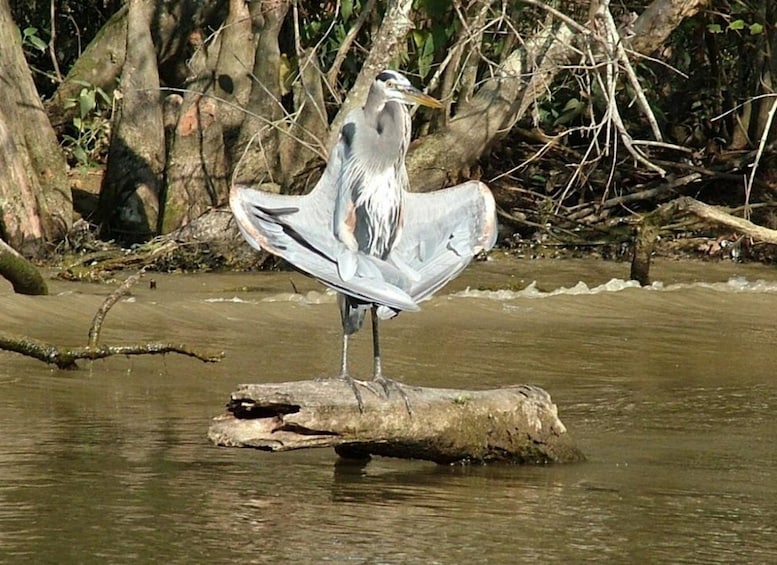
x=391 y=83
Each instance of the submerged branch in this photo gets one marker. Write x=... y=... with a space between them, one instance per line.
x=65 y=358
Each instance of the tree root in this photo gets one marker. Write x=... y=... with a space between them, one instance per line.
x=22 y=274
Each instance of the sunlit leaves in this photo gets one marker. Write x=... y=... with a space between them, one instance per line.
x=31 y=38
x=737 y=25
x=756 y=29
x=90 y=128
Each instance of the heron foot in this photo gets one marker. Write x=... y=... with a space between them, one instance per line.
x=388 y=384
x=354 y=384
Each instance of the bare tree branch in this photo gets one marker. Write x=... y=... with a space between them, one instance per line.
x=393 y=29
x=66 y=358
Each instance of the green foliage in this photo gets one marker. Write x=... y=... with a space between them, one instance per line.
x=89 y=134
x=755 y=28
x=75 y=21
x=430 y=41
x=31 y=39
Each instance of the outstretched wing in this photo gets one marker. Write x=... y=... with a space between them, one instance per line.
x=442 y=232
x=299 y=229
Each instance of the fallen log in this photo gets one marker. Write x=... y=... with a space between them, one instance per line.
x=647 y=233
x=517 y=424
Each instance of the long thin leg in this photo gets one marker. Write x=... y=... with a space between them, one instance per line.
x=348 y=378
x=344 y=361
x=377 y=370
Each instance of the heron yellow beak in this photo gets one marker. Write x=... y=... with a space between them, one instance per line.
x=415 y=96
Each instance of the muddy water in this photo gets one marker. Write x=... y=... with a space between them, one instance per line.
x=670 y=391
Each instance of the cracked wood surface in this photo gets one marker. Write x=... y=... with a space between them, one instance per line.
x=518 y=424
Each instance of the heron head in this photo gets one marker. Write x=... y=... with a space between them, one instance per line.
x=397 y=87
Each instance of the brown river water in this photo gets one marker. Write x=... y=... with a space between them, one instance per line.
x=670 y=391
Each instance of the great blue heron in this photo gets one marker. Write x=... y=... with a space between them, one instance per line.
x=360 y=232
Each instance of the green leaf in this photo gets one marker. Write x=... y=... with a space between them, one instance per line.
x=346 y=8
x=29 y=32
x=737 y=25
x=756 y=29
x=103 y=95
x=418 y=38
x=572 y=109
x=86 y=101
x=714 y=28
x=573 y=104
x=80 y=154
x=38 y=43
x=427 y=57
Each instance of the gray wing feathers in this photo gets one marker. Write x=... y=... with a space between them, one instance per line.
x=299 y=229
x=443 y=231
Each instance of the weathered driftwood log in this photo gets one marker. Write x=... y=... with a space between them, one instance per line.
x=517 y=424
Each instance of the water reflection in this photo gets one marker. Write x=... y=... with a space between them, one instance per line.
x=670 y=393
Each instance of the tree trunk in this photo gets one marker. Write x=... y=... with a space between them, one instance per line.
x=655 y=24
x=257 y=145
x=35 y=201
x=129 y=198
x=232 y=88
x=100 y=64
x=305 y=139
x=195 y=174
x=516 y=424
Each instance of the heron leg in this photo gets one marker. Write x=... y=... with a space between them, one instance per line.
x=353 y=383
x=377 y=370
x=352 y=321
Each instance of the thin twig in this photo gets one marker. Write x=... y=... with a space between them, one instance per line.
x=52 y=39
x=614 y=38
x=350 y=37
x=559 y=15
x=113 y=298
x=663 y=144
x=761 y=145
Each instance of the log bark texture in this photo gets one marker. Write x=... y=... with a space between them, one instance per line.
x=517 y=424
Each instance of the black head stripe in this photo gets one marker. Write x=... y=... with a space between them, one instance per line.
x=386 y=75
